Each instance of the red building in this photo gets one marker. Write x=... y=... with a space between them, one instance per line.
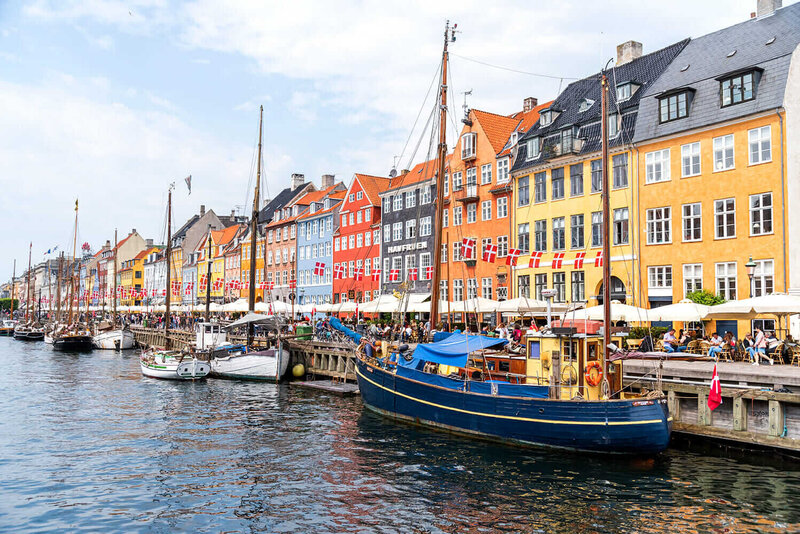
x=357 y=241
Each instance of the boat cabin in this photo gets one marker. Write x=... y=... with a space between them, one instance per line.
x=209 y=335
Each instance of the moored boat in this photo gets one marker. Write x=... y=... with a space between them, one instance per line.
x=119 y=339
x=172 y=365
x=7 y=327
x=72 y=340
x=29 y=332
x=237 y=362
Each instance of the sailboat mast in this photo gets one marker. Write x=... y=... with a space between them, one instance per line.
x=606 y=224
x=251 y=304
x=58 y=286
x=28 y=286
x=437 y=248
x=168 y=254
x=114 y=295
x=13 y=278
x=208 y=277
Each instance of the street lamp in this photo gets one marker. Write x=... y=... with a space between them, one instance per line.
x=751 y=268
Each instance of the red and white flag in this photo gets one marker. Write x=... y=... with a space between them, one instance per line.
x=338 y=271
x=292 y=284
x=270 y=286
x=319 y=269
x=558 y=259
x=598 y=259
x=579 y=257
x=715 y=395
x=429 y=272
x=394 y=275
x=468 y=248
x=376 y=275
x=217 y=284
x=513 y=254
x=536 y=257
x=359 y=274
x=188 y=289
x=490 y=253
x=412 y=273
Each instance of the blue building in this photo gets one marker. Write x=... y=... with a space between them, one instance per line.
x=315 y=250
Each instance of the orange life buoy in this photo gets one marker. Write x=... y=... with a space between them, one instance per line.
x=593 y=373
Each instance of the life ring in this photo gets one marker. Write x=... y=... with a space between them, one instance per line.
x=593 y=373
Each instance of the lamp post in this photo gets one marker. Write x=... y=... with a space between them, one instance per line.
x=751 y=268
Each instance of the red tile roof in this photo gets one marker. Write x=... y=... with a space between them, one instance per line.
x=309 y=215
x=318 y=196
x=281 y=222
x=143 y=254
x=526 y=121
x=497 y=128
x=421 y=172
x=372 y=186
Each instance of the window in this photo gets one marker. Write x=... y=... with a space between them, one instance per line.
x=352 y=241
x=367 y=236
x=376 y=236
x=472 y=288
x=411 y=199
x=560 y=285
x=659 y=226
x=723 y=153
x=397 y=202
x=763 y=278
x=502 y=170
x=532 y=148
x=411 y=263
x=269 y=236
x=523 y=191
x=426 y=195
x=351 y=198
x=576 y=231
x=352 y=221
x=578 y=283
x=386 y=269
x=359 y=240
x=443 y=290
x=726 y=280
x=457 y=215
x=673 y=107
x=760 y=145
x=387 y=233
x=344 y=220
x=597 y=229
x=424 y=262
x=359 y=195
x=443 y=253
x=411 y=229
x=624 y=92
x=539 y=283
x=585 y=104
x=502 y=207
x=576 y=180
x=457 y=181
x=540 y=187
x=446 y=184
x=397 y=264
x=690 y=160
x=621 y=226
x=502 y=293
x=302 y=253
x=486 y=288
x=659 y=277
x=566 y=141
x=725 y=218
x=387 y=204
x=546 y=117
x=540 y=235
x=397 y=231
x=692 y=278
x=458 y=290
x=737 y=89
x=445 y=218
x=524 y=285
x=468 y=145
x=523 y=238
x=692 y=222
x=486 y=210
x=620 y=165
x=597 y=176
x=559 y=234
x=656 y=166
x=358 y=217
x=486 y=174
x=557 y=180
x=761 y=214
x=425 y=227
x=502 y=246
x=472 y=213
x=457 y=251
x=613 y=125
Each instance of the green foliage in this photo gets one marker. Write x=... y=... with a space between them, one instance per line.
x=5 y=304
x=705 y=297
x=638 y=332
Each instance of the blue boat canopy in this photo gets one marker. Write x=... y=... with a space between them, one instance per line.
x=454 y=350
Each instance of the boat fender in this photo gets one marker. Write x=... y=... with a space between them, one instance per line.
x=593 y=373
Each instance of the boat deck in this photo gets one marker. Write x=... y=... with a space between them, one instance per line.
x=731 y=374
x=343 y=389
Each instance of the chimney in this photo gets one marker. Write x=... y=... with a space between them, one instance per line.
x=327 y=180
x=628 y=51
x=233 y=214
x=765 y=8
x=149 y=242
x=133 y=231
x=108 y=244
x=529 y=103
x=298 y=180
x=202 y=209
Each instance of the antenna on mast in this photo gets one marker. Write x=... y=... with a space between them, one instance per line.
x=465 y=107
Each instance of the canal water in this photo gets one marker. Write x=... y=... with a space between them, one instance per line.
x=87 y=443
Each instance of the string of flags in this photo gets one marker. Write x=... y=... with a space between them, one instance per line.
x=468 y=247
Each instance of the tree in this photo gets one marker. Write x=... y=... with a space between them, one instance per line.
x=5 y=304
x=705 y=297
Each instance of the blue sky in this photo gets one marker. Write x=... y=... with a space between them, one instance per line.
x=110 y=101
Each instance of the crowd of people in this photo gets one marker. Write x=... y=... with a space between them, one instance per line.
x=758 y=346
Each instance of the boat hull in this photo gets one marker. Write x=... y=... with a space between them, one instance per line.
x=640 y=426
x=252 y=366
x=172 y=370
x=78 y=343
x=6 y=332
x=29 y=335
x=115 y=340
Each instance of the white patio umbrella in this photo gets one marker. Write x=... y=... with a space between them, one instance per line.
x=619 y=312
x=239 y=305
x=348 y=307
x=476 y=305
x=522 y=305
x=778 y=304
x=683 y=311
x=384 y=303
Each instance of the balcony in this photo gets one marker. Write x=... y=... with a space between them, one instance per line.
x=468 y=194
x=567 y=147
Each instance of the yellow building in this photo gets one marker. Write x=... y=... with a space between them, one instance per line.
x=557 y=187
x=219 y=241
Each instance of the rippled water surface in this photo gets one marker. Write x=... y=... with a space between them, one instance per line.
x=87 y=443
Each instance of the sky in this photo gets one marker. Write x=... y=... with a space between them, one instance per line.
x=111 y=101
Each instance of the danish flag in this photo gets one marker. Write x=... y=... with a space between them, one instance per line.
x=319 y=269
x=292 y=284
x=513 y=254
x=359 y=274
x=558 y=259
x=95 y=294
x=429 y=272
x=598 y=260
x=164 y=292
x=376 y=275
x=394 y=274
x=468 y=248
x=490 y=253
x=536 y=257
x=412 y=273
x=246 y=285
x=262 y=285
x=176 y=287
x=189 y=288
x=579 y=257
x=338 y=271
x=217 y=284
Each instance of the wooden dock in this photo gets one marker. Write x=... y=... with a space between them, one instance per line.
x=342 y=389
x=324 y=359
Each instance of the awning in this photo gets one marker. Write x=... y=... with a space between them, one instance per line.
x=454 y=350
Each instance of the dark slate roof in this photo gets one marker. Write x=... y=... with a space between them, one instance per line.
x=185 y=228
x=642 y=71
x=265 y=215
x=707 y=59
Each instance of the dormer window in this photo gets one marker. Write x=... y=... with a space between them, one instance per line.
x=626 y=90
x=533 y=147
x=613 y=125
x=514 y=138
x=675 y=105
x=739 y=88
x=295 y=210
x=547 y=117
x=585 y=104
x=468 y=145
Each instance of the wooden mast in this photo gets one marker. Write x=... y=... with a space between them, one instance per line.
x=168 y=253
x=251 y=304
x=114 y=295
x=28 y=286
x=58 y=287
x=208 y=277
x=13 y=277
x=606 y=226
x=437 y=275
x=72 y=290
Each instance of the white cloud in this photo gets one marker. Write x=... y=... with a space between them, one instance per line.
x=304 y=104
x=253 y=103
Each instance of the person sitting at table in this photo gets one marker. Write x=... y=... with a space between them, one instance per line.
x=670 y=341
x=749 y=345
x=716 y=345
x=772 y=342
x=684 y=338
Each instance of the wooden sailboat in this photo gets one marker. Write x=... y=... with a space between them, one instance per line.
x=237 y=361
x=30 y=329
x=161 y=362
x=464 y=384
x=110 y=336
x=7 y=328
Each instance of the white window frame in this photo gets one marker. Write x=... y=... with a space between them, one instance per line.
x=411 y=199
x=761 y=138
x=472 y=213
x=724 y=212
x=758 y=213
x=691 y=160
x=692 y=273
x=425 y=226
x=502 y=171
x=397 y=231
x=468 y=145
x=657 y=166
x=725 y=290
x=486 y=210
x=502 y=207
x=533 y=148
x=764 y=271
x=692 y=220
x=659 y=277
x=724 y=147
x=659 y=217
x=486 y=174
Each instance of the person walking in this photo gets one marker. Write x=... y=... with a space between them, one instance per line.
x=761 y=348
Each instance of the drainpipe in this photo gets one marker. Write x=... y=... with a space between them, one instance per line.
x=783 y=204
